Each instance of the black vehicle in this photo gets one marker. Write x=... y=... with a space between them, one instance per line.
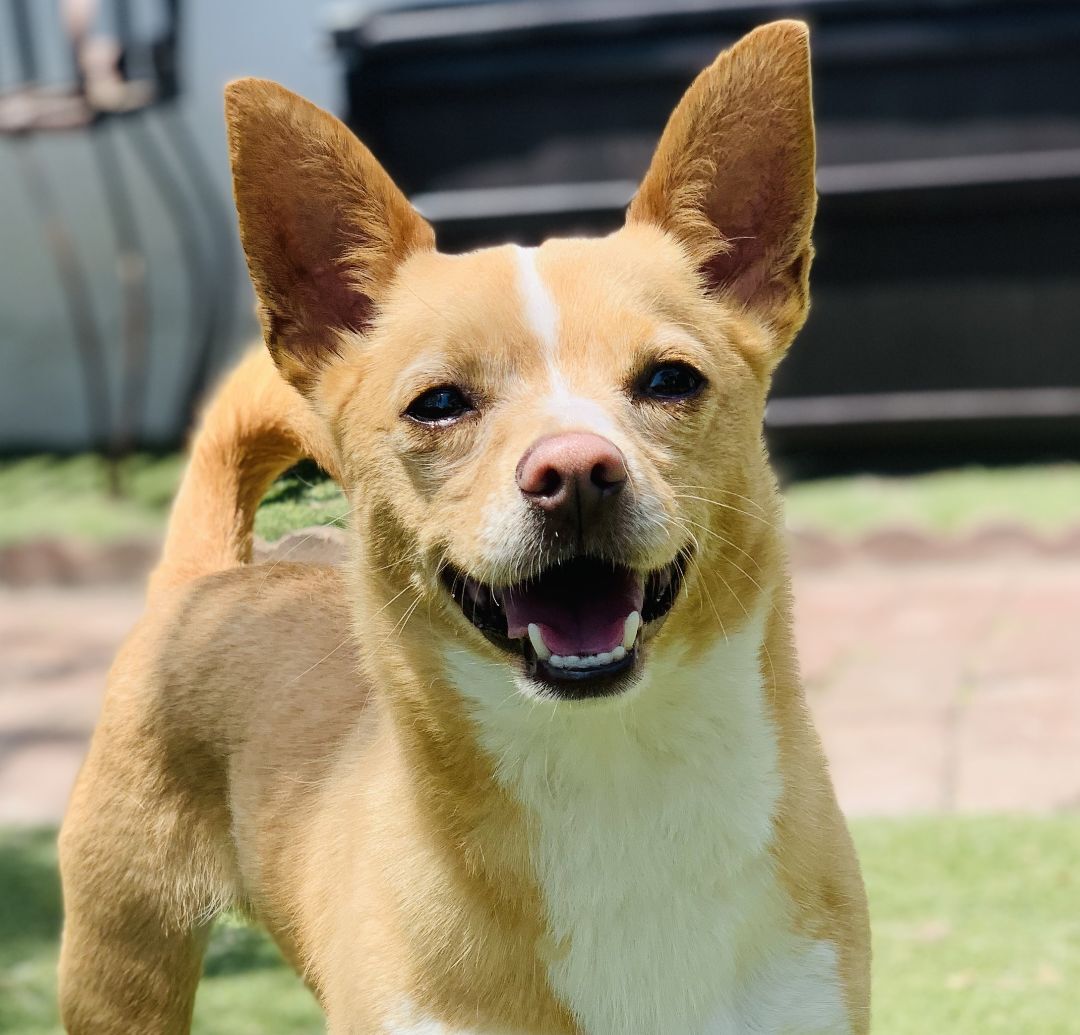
x=947 y=282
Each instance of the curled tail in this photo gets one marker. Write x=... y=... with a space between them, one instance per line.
x=255 y=426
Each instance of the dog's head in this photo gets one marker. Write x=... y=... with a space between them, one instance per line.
x=552 y=452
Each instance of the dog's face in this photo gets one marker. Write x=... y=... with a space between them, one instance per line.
x=557 y=439
x=557 y=449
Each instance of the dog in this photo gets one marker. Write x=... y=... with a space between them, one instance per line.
x=536 y=760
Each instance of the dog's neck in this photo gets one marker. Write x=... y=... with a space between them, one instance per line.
x=691 y=715
x=630 y=841
x=649 y=823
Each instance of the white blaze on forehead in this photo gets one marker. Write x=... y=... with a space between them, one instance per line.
x=542 y=317
x=541 y=313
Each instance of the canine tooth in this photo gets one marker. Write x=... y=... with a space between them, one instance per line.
x=618 y=653
x=630 y=629
x=536 y=638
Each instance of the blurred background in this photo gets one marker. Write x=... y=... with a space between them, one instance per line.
x=926 y=425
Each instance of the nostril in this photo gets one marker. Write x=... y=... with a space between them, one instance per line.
x=602 y=480
x=548 y=483
x=608 y=475
x=538 y=478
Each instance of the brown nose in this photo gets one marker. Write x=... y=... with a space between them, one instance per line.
x=573 y=470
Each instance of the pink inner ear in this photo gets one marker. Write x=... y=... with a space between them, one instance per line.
x=323 y=297
x=340 y=303
x=754 y=218
x=741 y=271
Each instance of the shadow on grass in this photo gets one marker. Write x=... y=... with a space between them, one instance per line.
x=30 y=909
x=30 y=919
x=238 y=948
x=296 y=483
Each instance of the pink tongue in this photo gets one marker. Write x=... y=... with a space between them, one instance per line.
x=580 y=607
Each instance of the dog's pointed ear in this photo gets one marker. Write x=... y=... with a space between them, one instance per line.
x=733 y=175
x=323 y=226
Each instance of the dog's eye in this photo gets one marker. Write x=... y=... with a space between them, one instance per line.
x=439 y=406
x=671 y=381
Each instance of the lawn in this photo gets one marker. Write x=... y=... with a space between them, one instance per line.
x=47 y=496
x=976 y=932
x=1045 y=497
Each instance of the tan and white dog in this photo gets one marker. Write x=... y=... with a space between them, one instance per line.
x=538 y=761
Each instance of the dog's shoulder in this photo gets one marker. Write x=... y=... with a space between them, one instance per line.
x=235 y=643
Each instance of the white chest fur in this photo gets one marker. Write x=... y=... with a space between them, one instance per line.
x=653 y=820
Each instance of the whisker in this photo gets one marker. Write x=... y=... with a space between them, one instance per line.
x=729 y=492
x=399 y=625
x=757 y=585
x=726 y=541
x=712 y=604
x=311 y=668
x=400 y=592
x=693 y=559
x=727 y=506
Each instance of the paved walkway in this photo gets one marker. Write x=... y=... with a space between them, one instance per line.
x=946 y=687
x=56 y=645
x=937 y=686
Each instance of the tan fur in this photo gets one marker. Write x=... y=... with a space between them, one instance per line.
x=287 y=739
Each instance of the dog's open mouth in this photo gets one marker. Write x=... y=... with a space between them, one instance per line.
x=578 y=625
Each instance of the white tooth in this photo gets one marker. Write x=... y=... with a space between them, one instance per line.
x=536 y=638
x=630 y=629
x=604 y=658
x=572 y=661
x=618 y=653
x=557 y=661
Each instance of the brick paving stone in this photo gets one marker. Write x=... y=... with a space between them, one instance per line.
x=960 y=690
x=36 y=779
x=889 y=762
x=57 y=645
x=1018 y=745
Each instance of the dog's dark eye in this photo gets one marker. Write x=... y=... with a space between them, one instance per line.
x=439 y=405
x=671 y=381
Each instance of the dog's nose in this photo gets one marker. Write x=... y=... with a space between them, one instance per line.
x=572 y=470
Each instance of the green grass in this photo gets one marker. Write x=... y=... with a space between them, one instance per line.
x=300 y=498
x=976 y=932
x=1043 y=497
x=46 y=496
x=976 y=924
